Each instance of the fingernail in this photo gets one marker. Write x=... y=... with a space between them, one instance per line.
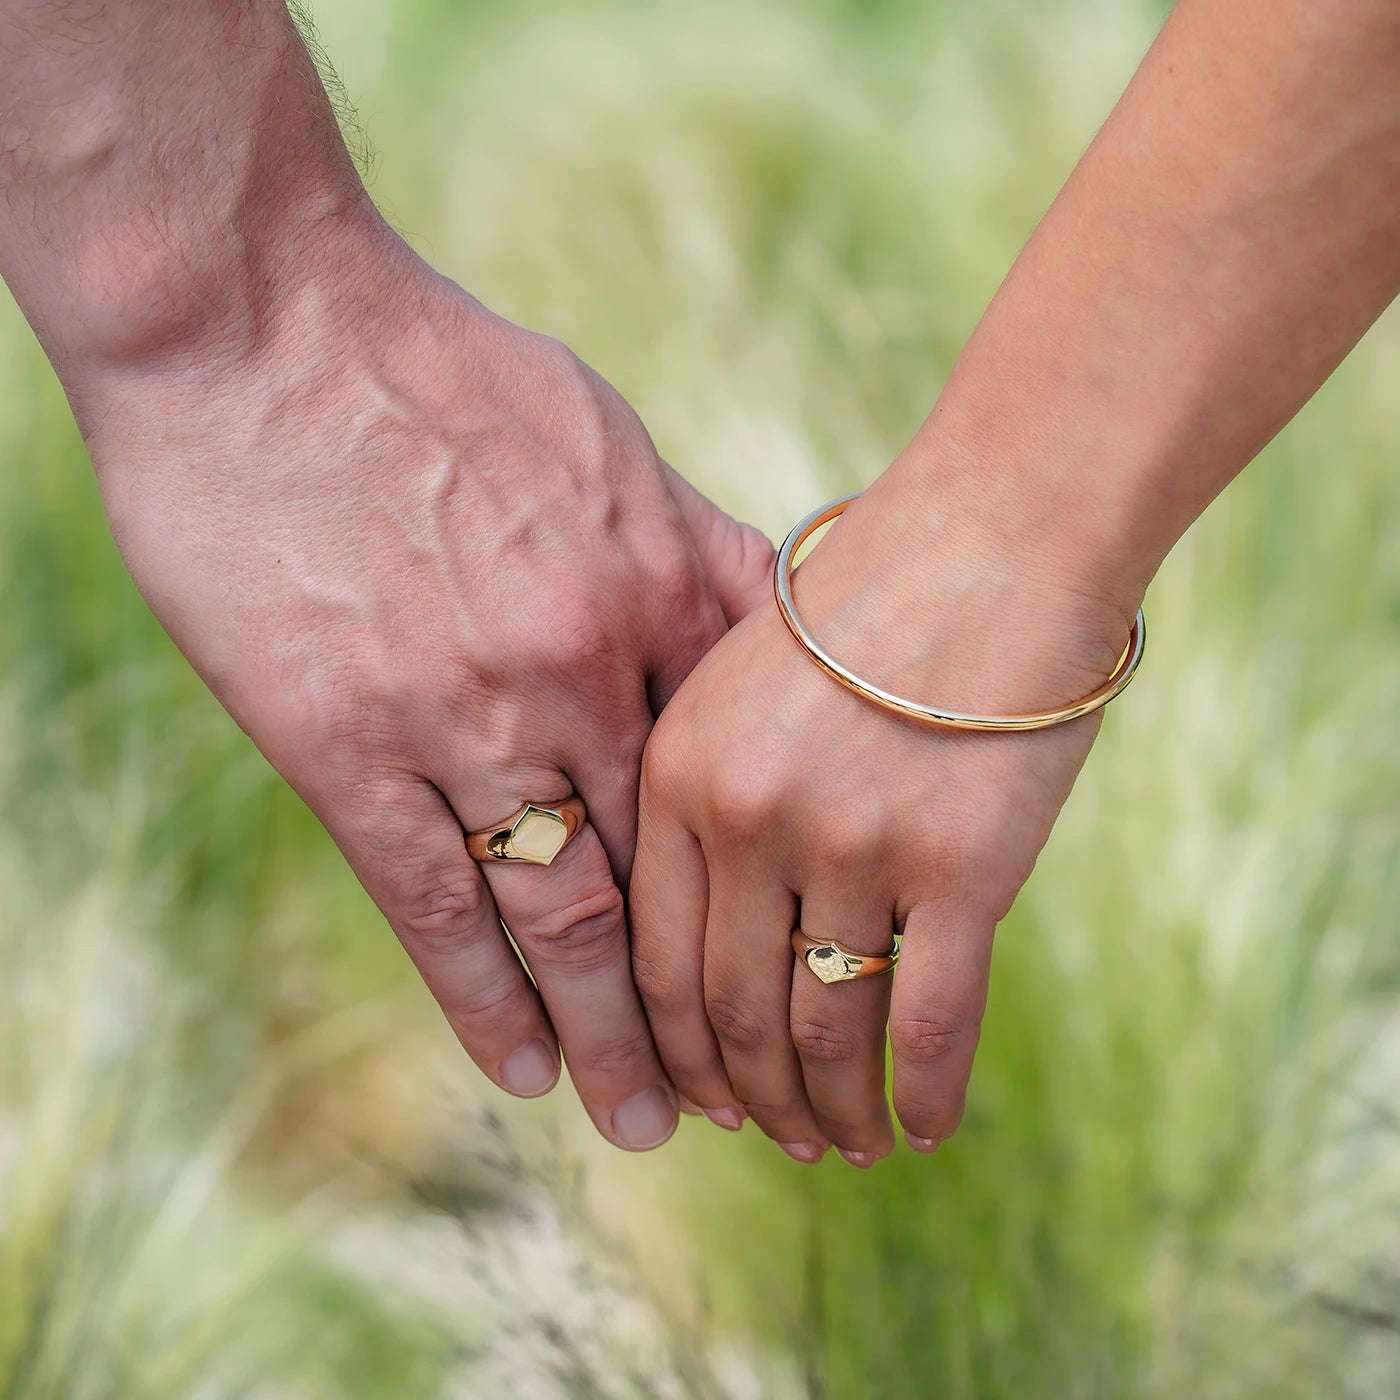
x=808 y=1152
x=531 y=1070
x=921 y=1144
x=646 y=1119
x=863 y=1160
x=728 y=1118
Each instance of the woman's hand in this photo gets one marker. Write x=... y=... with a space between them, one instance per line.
x=432 y=564
x=773 y=798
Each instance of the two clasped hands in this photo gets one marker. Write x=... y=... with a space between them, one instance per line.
x=435 y=567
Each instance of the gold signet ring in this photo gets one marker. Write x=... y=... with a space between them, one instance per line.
x=833 y=962
x=535 y=834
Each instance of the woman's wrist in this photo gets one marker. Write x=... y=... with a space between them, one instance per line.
x=936 y=595
x=1074 y=490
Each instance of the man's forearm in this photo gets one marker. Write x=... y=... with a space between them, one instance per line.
x=1231 y=234
x=163 y=168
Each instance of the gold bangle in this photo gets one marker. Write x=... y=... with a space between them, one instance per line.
x=783 y=571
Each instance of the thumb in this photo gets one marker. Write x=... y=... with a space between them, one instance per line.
x=738 y=559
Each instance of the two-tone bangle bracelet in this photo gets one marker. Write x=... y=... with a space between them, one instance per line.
x=934 y=715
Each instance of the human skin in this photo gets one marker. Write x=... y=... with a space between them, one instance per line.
x=1230 y=234
x=428 y=560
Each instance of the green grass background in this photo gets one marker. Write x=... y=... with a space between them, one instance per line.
x=238 y=1153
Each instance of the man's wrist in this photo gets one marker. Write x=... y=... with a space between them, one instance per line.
x=153 y=207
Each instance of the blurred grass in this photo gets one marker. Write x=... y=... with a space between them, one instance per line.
x=238 y=1155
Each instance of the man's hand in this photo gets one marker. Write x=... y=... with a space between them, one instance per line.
x=432 y=564
x=429 y=561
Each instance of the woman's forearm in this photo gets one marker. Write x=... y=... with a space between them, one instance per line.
x=1230 y=235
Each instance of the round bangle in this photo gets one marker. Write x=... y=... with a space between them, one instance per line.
x=783 y=571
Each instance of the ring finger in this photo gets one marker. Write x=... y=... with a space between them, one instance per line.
x=839 y=1027
x=568 y=921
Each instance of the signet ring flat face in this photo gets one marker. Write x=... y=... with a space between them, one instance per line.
x=534 y=834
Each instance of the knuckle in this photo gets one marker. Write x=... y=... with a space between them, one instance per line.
x=497 y=1002
x=330 y=699
x=754 y=552
x=742 y=802
x=665 y=761
x=575 y=381
x=923 y=1040
x=957 y=863
x=613 y=1054
x=555 y=356
x=844 y=836
x=675 y=580
x=820 y=1040
x=354 y=701
x=735 y=1022
x=577 y=638
x=600 y=424
x=586 y=931
x=339 y=732
x=446 y=911
x=656 y=979
x=559 y=374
